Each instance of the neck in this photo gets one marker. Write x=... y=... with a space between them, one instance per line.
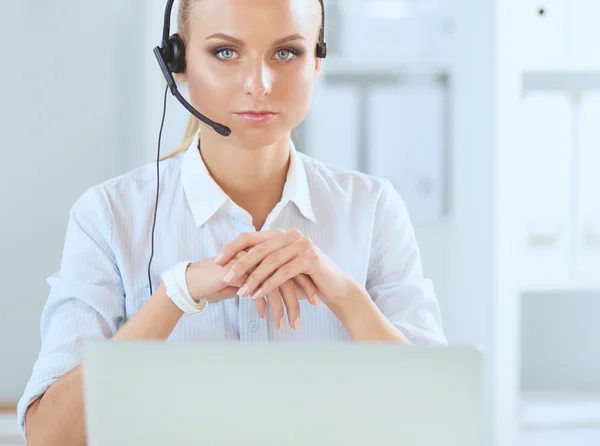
x=253 y=178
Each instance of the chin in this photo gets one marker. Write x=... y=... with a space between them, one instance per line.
x=257 y=137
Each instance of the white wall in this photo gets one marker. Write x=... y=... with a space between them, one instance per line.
x=70 y=117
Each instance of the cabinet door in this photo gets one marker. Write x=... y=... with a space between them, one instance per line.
x=543 y=25
x=331 y=130
x=407 y=145
x=545 y=176
x=585 y=32
x=588 y=190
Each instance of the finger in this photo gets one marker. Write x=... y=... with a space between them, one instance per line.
x=238 y=282
x=244 y=241
x=276 y=304
x=286 y=272
x=290 y=299
x=271 y=264
x=309 y=288
x=238 y=256
x=254 y=257
x=261 y=307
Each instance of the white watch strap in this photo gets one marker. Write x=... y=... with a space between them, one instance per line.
x=177 y=290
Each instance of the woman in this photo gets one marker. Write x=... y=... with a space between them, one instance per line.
x=272 y=232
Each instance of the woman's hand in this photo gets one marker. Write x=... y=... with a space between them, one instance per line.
x=277 y=256
x=205 y=280
x=288 y=295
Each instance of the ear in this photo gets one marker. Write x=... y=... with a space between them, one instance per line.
x=180 y=77
x=318 y=62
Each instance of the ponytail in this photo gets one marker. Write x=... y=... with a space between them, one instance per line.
x=193 y=127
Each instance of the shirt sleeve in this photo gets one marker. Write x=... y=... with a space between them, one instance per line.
x=86 y=299
x=395 y=279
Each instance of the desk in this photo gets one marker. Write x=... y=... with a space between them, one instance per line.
x=9 y=430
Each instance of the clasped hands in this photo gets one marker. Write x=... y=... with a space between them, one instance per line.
x=278 y=268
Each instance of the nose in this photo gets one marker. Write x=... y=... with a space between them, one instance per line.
x=259 y=80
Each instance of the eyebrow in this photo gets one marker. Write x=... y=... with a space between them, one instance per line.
x=240 y=43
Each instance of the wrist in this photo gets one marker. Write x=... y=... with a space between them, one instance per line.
x=363 y=320
x=194 y=294
x=350 y=299
x=175 y=282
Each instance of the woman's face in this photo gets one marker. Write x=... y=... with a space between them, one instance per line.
x=253 y=56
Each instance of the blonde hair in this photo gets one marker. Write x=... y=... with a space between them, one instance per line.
x=183 y=26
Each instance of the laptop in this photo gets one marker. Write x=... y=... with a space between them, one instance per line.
x=321 y=394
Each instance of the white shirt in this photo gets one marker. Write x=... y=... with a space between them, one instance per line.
x=358 y=220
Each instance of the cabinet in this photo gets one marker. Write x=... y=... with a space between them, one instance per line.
x=407 y=145
x=545 y=24
x=332 y=126
x=560 y=182
x=585 y=32
x=561 y=34
x=545 y=180
x=407 y=31
x=587 y=190
x=560 y=365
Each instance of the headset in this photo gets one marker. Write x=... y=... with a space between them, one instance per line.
x=171 y=59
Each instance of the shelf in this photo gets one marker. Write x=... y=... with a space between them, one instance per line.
x=561 y=288
x=560 y=410
x=563 y=73
x=563 y=66
x=561 y=80
x=377 y=68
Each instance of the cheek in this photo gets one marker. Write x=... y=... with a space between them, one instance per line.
x=210 y=89
x=297 y=93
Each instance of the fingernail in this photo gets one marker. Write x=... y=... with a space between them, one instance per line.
x=219 y=258
x=228 y=277
x=258 y=294
x=242 y=291
x=263 y=314
x=317 y=300
x=297 y=324
x=281 y=324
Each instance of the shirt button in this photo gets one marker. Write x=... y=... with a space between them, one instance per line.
x=253 y=326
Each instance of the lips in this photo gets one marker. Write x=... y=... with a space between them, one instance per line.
x=256 y=112
x=257 y=116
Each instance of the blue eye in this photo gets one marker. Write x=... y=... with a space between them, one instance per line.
x=224 y=53
x=286 y=54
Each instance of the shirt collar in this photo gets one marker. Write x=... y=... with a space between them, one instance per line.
x=205 y=197
x=296 y=187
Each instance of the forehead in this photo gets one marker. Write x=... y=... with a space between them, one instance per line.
x=251 y=17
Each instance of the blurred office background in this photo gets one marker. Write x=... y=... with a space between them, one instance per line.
x=483 y=113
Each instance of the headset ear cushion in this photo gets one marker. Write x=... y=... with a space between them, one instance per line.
x=177 y=60
x=321 y=50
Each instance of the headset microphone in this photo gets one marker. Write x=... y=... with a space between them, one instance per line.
x=219 y=128
x=171 y=59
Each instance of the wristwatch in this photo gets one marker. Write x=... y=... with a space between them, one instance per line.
x=178 y=292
